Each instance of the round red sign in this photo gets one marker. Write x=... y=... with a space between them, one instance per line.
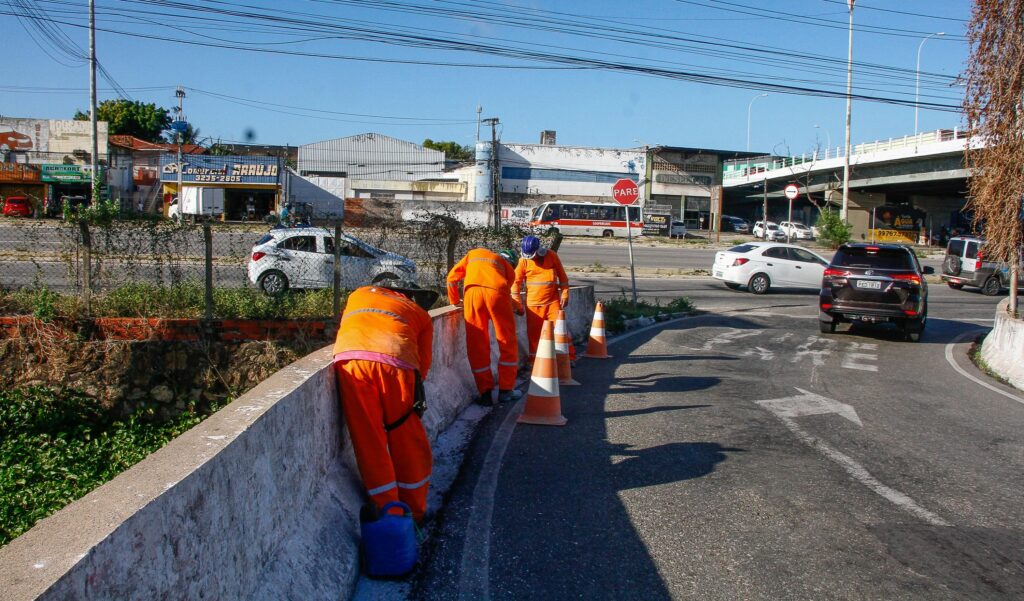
x=625 y=191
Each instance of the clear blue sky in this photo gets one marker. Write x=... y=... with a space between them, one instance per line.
x=649 y=49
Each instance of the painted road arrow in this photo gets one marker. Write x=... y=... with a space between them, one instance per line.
x=809 y=403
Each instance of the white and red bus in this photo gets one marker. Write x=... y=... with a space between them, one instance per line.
x=587 y=219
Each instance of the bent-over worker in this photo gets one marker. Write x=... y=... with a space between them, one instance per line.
x=382 y=352
x=487 y=279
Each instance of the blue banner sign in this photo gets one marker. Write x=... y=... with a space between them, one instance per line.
x=231 y=169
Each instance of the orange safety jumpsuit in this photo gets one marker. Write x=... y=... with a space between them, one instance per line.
x=383 y=339
x=486 y=281
x=547 y=289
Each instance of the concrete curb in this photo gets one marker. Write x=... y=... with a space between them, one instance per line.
x=1003 y=348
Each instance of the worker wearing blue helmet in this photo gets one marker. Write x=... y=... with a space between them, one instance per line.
x=541 y=275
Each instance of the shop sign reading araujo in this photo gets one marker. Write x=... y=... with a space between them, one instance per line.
x=232 y=169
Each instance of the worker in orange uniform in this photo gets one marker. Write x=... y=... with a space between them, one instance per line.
x=381 y=355
x=541 y=273
x=487 y=279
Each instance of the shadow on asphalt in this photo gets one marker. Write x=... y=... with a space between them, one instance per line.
x=561 y=529
x=938 y=331
x=971 y=563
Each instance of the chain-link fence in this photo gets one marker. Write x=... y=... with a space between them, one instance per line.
x=160 y=268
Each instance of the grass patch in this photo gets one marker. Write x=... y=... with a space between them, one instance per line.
x=975 y=354
x=57 y=445
x=618 y=310
x=177 y=301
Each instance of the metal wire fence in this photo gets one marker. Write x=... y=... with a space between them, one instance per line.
x=160 y=268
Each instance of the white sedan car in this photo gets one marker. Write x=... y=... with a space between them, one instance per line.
x=303 y=257
x=761 y=265
x=796 y=231
x=774 y=233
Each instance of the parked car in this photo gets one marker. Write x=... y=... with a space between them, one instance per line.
x=880 y=283
x=677 y=230
x=17 y=206
x=965 y=265
x=735 y=224
x=303 y=257
x=761 y=265
x=773 y=233
x=796 y=231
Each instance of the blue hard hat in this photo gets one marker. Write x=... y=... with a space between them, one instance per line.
x=531 y=244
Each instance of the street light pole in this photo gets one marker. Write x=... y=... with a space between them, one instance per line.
x=917 y=85
x=849 y=101
x=93 y=125
x=750 y=106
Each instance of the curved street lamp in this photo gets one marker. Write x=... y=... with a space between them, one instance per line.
x=750 y=106
x=917 y=86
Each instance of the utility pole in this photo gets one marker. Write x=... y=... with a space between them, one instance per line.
x=178 y=133
x=495 y=175
x=479 y=109
x=849 y=101
x=93 y=162
x=764 y=220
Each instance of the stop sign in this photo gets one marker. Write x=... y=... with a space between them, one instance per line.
x=625 y=191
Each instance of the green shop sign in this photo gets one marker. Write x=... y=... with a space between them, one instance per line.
x=66 y=174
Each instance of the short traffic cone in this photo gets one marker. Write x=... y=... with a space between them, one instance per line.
x=597 y=346
x=543 y=403
x=562 y=342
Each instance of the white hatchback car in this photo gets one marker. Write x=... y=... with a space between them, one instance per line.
x=677 y=230
x=761 y=265
x=303 y=257
x=774 y=233
x=796 y=231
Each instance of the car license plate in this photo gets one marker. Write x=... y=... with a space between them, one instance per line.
x=718 y=273
x=869 y=284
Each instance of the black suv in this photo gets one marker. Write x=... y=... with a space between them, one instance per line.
x=875 y=283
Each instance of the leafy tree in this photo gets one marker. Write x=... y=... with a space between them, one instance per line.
x=131 y=117
x=453 y=151
x=832 y=228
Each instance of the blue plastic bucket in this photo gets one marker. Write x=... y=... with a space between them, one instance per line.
x=389 y=543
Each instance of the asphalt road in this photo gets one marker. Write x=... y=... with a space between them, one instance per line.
x=742 y=455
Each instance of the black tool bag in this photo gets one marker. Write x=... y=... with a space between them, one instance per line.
x=419 y=404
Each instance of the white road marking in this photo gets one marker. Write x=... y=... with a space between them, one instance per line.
x=850 y=361
x=952 y=361
x=809 y=403
x=729 y=336
x=765 y=354
x=817 y=355
x=853 y=358
x=474 y=573
x=783 y=338
x=862 y=475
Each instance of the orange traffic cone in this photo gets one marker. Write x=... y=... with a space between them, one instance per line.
x=562 y=342
x=543 y=403
x=597 y=346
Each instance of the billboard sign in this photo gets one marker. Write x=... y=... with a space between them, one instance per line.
x=232 y=169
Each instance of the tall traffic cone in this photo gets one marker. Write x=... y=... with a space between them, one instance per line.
x=562 y=342
x=597 y=346
x=543 y=403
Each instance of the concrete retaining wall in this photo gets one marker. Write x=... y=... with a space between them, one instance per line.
x=260 y=501
x=1003 y=349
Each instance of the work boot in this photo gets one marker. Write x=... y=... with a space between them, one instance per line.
x=486 y=398
x=504 y=396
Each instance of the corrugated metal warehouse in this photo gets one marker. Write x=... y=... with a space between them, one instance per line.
x=370 y=157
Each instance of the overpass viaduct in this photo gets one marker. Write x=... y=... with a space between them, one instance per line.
x=912 y=182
